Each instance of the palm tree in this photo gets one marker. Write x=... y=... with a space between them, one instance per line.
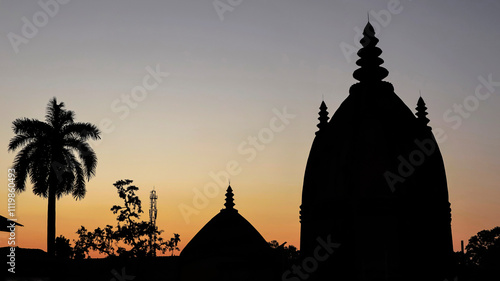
x=56 y=157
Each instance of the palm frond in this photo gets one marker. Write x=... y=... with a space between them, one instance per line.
x=30 y=127
x=52 y=110
x=83 y=131
x=22 y=165
x=56 y=115
x=40 y=169
x=86 y=154
x=79 y=189
x=66 y=117
x=65 y=173
x=19 y=141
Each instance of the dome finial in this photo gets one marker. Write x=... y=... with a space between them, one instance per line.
x=229 y=198
x=369 y=61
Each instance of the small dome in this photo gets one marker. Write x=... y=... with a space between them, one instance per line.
x=228 y=247
x=227 y=234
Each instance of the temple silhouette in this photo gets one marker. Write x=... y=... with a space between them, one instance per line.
x=375 y=187
x=374 y=201
x=228 y=248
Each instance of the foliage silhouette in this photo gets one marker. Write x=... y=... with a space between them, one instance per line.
x=172 y=244
x=48 y=156
x=63 y=249
x=483 y=249
x=130 y=237
x=289 y=255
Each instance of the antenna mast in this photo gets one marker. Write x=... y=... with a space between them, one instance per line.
x=152 y=221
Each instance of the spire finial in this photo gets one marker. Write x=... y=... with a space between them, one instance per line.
x=369 y=61
x=421 y=111
x=323 y=116
x=229 y=198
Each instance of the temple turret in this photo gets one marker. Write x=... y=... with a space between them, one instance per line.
x=421 y=112
x=323 y=116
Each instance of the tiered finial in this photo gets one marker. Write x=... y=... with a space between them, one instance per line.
x=422 y=112
x=229 y=198
x=370 y=70
x=323 y=116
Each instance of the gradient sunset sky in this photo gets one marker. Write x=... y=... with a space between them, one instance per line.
x=229 y=72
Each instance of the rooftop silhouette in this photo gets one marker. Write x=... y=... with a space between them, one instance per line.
x=5 y=224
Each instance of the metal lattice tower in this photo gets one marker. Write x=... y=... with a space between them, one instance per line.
x=152 y=220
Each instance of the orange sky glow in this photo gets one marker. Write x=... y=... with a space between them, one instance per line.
x=238 y=98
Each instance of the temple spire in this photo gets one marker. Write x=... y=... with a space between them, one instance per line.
x=229 y=198
x=323 y=116
x=369 y=61
x=421 y=112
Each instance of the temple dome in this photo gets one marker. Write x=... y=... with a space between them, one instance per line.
x=233 y=234
x=372 y=186
x=226 y=246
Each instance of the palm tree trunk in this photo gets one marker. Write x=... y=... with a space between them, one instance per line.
x=51 y=221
